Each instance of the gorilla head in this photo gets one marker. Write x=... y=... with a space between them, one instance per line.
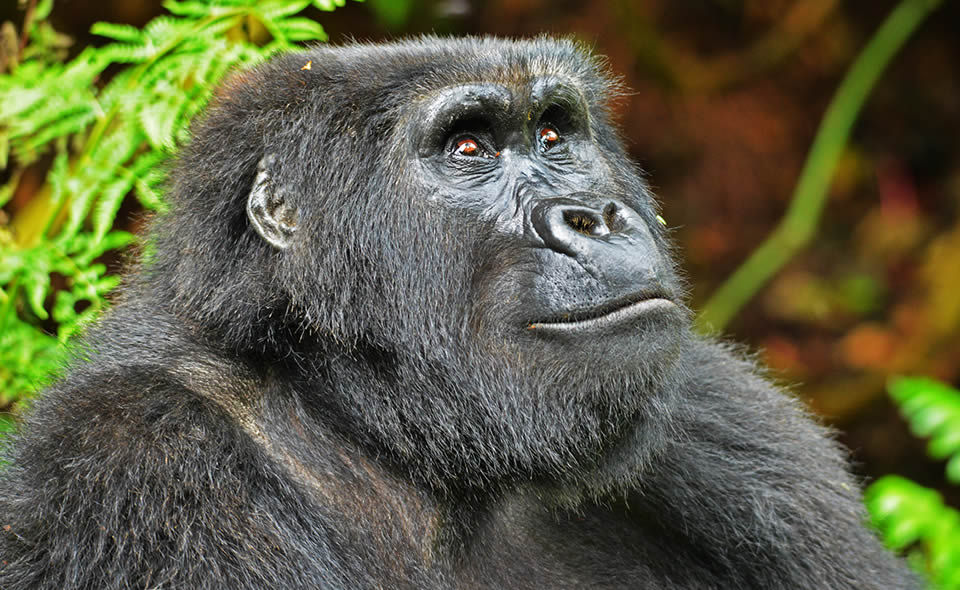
x=448 y=235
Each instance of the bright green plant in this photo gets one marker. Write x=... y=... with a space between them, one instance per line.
x=93 y=143
x=911 y=517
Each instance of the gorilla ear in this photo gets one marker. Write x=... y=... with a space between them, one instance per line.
x=267 y=208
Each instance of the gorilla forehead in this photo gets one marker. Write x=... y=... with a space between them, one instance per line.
x=418 y=66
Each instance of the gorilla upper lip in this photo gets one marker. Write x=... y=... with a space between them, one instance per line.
x=615 y=311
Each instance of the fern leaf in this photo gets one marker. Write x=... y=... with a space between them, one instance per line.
x=908 y=514
x=37 y=285
x=107 y=205
x=42 y=10
x=57 y=177
x=29 y=354
x=932 y=410
x=158 y=121
x=165 y=29
x=16 y=101
x=278 y=9
x=302 y=29
x=149 y=176
x=329 y=5
x=113 y=150
x=118 y=32
x=127 y=52
x=72 y=120
x=195 y=9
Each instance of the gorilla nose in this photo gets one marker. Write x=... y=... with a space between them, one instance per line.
x=605 y=236
x=568 y=225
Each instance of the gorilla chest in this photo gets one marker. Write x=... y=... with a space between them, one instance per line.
x=595 y=547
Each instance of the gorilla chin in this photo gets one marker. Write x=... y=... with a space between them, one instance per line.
x=412 y=322
x=639 y=336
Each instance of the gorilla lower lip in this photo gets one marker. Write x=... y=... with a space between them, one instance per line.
x=617 y=316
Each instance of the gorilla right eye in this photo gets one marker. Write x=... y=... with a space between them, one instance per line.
x=467 y=147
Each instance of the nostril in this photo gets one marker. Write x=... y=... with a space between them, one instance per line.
x=612 y=218
x=585 y=221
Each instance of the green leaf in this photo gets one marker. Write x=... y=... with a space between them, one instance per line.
x=329 y=5
x=72 y=121
x=167 y=28
x=302 y=29
x=904 y=388
x=42 y=10
x=277 y=9
x=945 y=443
x=36 y=292
x=107 y=205
x=158 y=121
x=907 y=513
x=904 y=511
x=18 y=100
x=197 y=9
x=118 y=32
x=127 y=53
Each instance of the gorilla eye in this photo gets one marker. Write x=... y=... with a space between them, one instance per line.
x=467 y=147
x=548 y=138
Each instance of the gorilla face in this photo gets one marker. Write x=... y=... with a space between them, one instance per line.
x=569 y=268
x=569 y=259
x=493 y=253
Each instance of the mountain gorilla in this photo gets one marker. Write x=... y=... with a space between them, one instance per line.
x=412 y=322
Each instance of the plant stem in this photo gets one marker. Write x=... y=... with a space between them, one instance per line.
x=799 y=224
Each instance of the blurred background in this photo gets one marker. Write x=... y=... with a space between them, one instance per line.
x=725 y=99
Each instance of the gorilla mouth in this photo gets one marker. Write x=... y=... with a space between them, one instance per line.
x=615 y=312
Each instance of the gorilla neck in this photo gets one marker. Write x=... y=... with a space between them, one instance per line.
x=482 y=425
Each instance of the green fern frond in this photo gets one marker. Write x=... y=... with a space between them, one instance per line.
x=301 y=29
x=933 y=411
x=909 y=516
x=118 y=32
x=329 y=5
x=108 y=141
x=274 y=10
x=913 y=518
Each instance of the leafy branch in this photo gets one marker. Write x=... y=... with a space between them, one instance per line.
x=910 y=516
x=94 y=143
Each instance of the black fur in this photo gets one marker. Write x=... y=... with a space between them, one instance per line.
x=393 y=398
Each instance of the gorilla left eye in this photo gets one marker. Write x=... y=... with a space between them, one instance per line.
x=548 y=138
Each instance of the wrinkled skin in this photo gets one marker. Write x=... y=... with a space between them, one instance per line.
x=412 y=322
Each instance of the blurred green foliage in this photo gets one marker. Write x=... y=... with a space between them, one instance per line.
x=392 y=13
x=911 y=517
x=93 y=137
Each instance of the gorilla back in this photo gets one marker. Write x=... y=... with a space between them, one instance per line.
x=412 y=322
